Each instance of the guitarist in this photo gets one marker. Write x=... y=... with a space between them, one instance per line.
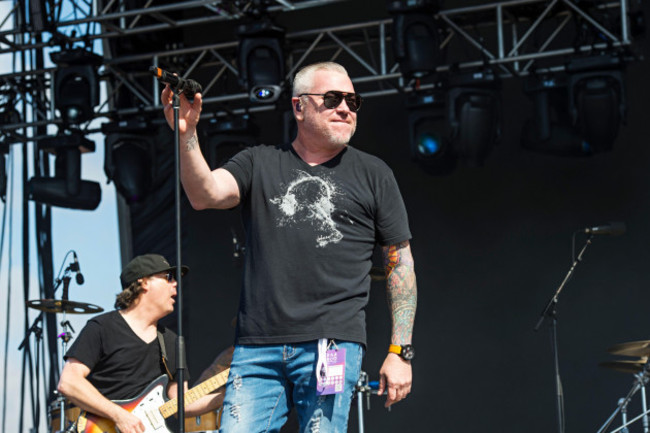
x=119 y=353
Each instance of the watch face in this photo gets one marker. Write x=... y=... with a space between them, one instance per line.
x=407 y=352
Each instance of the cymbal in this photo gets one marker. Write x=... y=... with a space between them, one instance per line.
x=377 y=274
x=60 y=306
x=632 y=348
x=626 y=366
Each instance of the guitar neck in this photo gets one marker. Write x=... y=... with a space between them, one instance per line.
x=171 y=407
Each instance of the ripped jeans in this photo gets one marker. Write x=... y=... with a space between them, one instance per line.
x=266 y=381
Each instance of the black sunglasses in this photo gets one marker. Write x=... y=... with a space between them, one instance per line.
x=169 y=276
x=333 y=98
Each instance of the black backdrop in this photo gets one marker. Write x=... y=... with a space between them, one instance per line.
x=491 y=245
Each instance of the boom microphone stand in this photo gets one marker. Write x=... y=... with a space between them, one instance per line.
x=550 y=311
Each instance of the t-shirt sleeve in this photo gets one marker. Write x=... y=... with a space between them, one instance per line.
x=87 y=348
x=391 y=218
x=241 y=167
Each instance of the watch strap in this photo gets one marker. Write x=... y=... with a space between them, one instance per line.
x=395 y=348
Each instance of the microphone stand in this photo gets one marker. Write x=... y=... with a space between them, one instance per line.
x=641 y=379
x=365 y=387
x=550 y=311
x=37 y=330
x=180 y=341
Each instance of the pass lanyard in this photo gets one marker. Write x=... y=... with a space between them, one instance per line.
x=330 y=368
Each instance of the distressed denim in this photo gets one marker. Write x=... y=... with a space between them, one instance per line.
x=266 y=381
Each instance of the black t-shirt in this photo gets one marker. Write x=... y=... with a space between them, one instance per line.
x=310 y=236
x=121 y=363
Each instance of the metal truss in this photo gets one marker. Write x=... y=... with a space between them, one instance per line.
x=515 y=38
x=116 y=21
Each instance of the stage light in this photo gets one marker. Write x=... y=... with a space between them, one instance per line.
x=66 y=189
x=550 y=130
x=129 y=155
x=474 y=115
x=597 y=99
x=261 y=61
x=76 y=84
x=227 y=136
x=415 y=37
x=429 y=144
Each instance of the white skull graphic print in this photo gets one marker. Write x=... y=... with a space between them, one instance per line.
x=310 y=199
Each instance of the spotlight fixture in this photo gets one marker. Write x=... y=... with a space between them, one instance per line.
x=129 y=155
x=429 y=143
x=66 y=189
x=76 y=84
x=227 y=136
x=473 y=113
x=597 y=99
x=550 y=129
x=261 y=61
x=416 y=41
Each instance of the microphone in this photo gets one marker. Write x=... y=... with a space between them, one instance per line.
x=75 y=268
x=612 y=228
x=185 y=86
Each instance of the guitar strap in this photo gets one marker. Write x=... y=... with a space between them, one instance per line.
x=161 y=341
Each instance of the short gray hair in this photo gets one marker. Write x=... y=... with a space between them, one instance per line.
x=303 y=80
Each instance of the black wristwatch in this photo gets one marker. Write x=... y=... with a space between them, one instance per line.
x=406 y=351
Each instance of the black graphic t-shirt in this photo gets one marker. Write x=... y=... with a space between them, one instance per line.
x=310 y=235
x=121 y=364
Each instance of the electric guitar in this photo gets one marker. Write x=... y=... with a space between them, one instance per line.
x=150 y=406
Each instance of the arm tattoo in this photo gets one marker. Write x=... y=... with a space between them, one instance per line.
x=191 y=143
x=401 y=290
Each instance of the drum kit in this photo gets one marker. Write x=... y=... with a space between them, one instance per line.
x=206 y=423
x=640 y=368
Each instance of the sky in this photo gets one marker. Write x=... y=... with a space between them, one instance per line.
x=94 y=237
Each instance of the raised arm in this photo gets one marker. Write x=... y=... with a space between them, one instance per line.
x=205 y=189
x=395 y=375
x=75 y=386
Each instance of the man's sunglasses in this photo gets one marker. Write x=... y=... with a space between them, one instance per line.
x=169 y=276
x=333 y=98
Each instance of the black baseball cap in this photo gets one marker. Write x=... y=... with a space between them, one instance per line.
x=147 y=265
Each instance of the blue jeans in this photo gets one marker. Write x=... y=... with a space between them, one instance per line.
x=265 y=381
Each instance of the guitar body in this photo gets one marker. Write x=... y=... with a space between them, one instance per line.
x=146 y=406
x=151 y=406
